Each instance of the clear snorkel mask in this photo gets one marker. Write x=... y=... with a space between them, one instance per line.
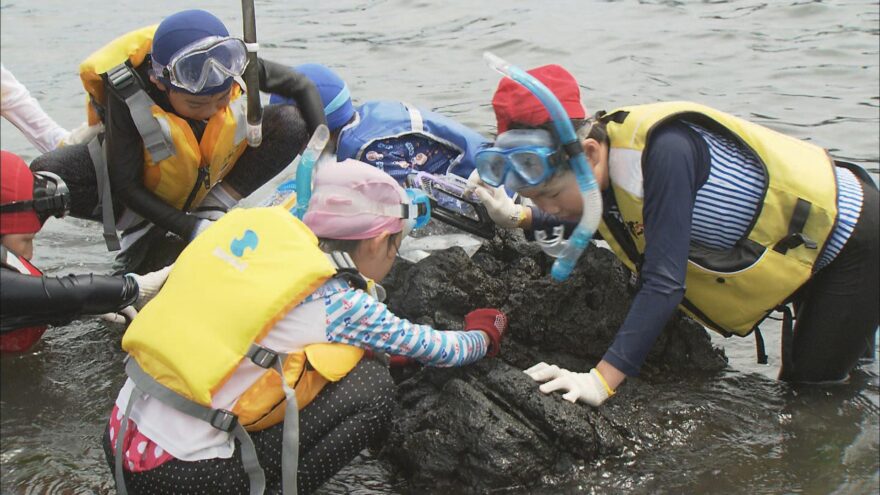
x=205 y=64
x=538 y=167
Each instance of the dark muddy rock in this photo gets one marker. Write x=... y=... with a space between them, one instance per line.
x=486 y=427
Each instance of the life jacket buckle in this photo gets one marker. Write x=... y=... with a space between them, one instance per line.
x=262 y=357
x=224 y=420
x=795 y=240
x=120 y=77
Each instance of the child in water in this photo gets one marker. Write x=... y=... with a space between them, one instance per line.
x=257 y=278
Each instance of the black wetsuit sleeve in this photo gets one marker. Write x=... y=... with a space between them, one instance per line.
x=28 y=300
x=284 y=81
x=675 y=167
x=125 y=163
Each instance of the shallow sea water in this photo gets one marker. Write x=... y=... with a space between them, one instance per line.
x=805 y=68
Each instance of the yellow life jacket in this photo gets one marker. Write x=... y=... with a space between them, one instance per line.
x=730 y=291
x=226 y=292
x=183 y=179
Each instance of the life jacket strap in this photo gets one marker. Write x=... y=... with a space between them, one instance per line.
x=346 y=270
x=267 y=358
x=218 y=418
x=262 y=356
x=97 y=152
x=759 y=346
x=796 y=236
x=788 y=364
x=157 y=140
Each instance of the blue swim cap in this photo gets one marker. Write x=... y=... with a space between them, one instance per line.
x=334 y=94
x=180 y=30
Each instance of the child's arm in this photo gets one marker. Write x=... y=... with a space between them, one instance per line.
x=355 y=318
x=278 y=79
x=125 y=163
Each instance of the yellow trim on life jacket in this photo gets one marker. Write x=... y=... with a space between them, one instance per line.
x=174 y=178
x=263 y=404
x=133 y=46
x=226 y=291
x=733 y=302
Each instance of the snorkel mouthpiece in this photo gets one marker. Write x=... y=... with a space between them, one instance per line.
x=566 y=252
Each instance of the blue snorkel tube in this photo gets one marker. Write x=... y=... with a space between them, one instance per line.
x=313 y=150
x=565 y=252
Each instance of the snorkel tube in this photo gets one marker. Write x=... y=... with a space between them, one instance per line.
x=252 y=76
x=566 y=252
x=313 y=150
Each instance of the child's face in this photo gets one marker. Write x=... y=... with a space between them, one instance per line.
x=20 y=244
x=375 y=256
x=559 y=196
x=198 y=107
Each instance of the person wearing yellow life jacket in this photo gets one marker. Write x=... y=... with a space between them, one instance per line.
x=31 y=301
x=174 y=153
x=262 y=295
x=724 y=218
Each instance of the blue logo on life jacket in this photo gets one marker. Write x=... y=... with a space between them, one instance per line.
x=248 y=240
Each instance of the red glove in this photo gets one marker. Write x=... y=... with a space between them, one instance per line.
x=391 y=360
x=491 y=321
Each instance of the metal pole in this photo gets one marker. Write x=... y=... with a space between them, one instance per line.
x=252 y=76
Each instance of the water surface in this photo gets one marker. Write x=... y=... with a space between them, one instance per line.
x=806 y=68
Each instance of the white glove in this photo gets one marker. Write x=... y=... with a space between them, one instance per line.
x=201 y=225
x=121 y=317
x=501 y=208
x=82 y=134
x=149 y=285
x=585 y=387
x=212 y=214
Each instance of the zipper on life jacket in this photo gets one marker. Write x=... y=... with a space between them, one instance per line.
x=204 y=177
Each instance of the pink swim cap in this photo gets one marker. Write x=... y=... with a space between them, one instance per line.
x=346 y=199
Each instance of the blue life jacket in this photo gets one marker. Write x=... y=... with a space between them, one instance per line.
x=385 y=120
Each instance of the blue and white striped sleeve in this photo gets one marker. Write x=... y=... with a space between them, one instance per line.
x=354 y=317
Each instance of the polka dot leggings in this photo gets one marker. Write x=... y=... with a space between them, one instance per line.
x=344 y=418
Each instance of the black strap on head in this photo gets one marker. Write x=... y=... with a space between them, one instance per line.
x=51 y=198
x=573 y=148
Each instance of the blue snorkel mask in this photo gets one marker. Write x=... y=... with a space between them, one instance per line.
x=535 y=165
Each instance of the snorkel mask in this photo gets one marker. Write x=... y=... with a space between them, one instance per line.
x=205 y=64
x=533 y=164
x=520 y=158
x=51 y=198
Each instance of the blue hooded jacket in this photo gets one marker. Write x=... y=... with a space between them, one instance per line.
x=383 y=120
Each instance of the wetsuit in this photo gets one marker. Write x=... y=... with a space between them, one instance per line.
x=837 y=310
x=284 y=135
x=28 y=300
